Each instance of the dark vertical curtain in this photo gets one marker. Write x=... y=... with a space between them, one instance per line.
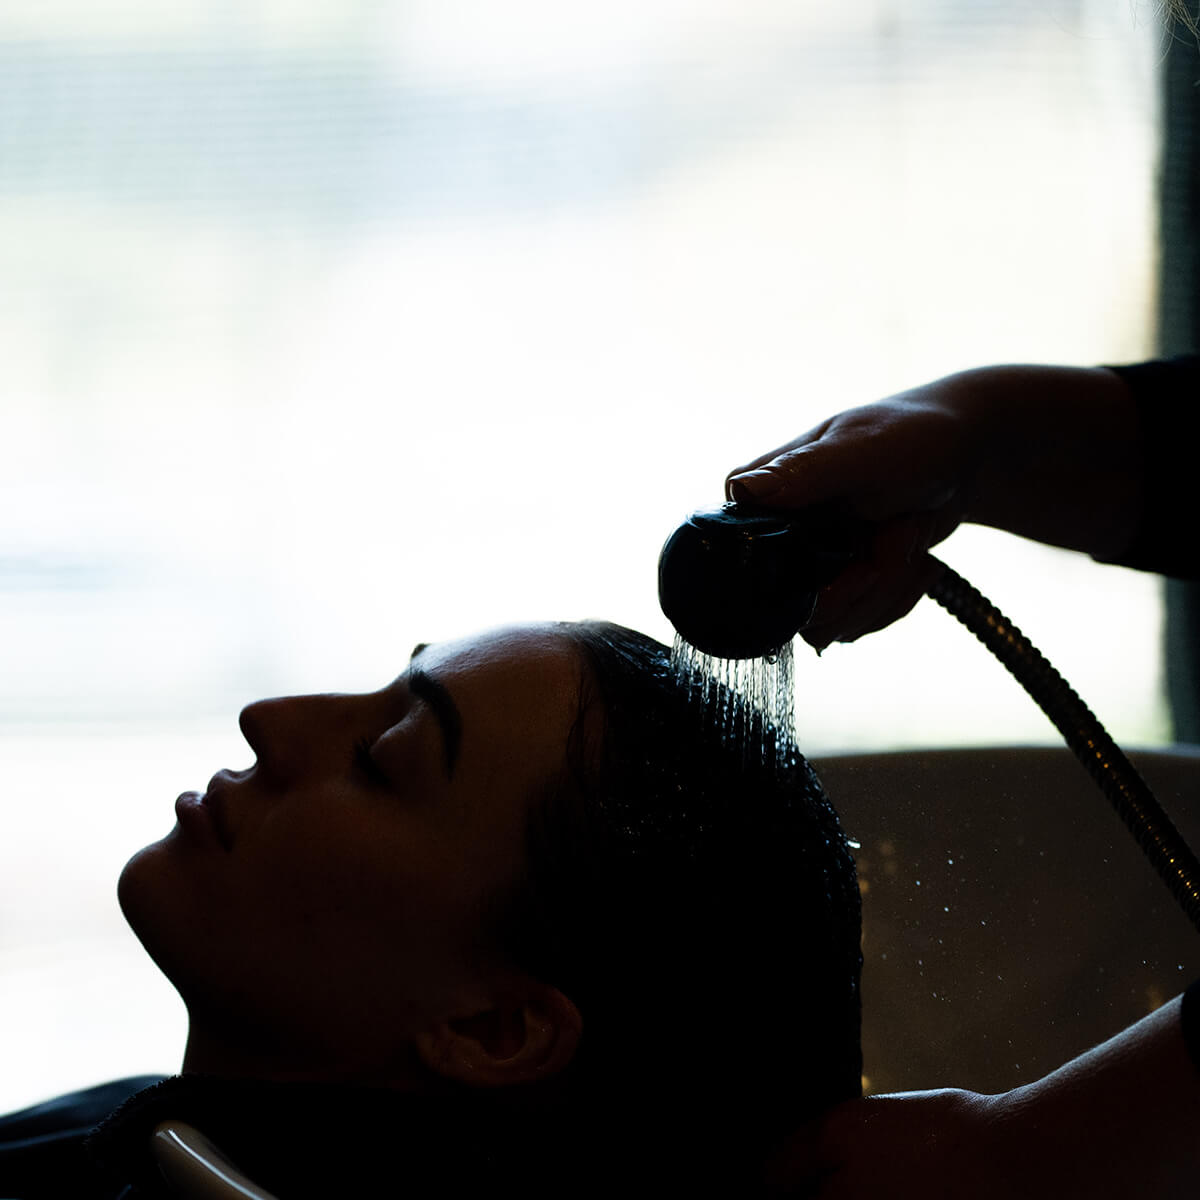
x=1179 y=333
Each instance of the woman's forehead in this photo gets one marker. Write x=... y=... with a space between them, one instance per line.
x=517 y=688
x=514 y=650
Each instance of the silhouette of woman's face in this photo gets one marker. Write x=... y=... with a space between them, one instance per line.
x=329 y=901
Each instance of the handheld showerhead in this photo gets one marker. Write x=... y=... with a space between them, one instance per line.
x=741 y=581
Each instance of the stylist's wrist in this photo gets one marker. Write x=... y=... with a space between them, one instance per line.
x=1059 y=456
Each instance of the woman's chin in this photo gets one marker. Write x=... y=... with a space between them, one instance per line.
x=148 y=893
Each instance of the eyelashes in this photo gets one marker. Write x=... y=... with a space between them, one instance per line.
x=366 y=765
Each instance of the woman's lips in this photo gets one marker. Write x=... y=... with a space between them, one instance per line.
x=204 y=814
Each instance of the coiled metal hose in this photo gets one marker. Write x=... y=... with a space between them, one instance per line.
x=1103 y=759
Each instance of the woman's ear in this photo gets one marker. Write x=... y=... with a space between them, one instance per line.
x=522 y=1039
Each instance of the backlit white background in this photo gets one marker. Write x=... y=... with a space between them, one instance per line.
x=331 y=327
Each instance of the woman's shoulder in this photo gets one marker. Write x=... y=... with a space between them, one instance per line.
x=41 y=1147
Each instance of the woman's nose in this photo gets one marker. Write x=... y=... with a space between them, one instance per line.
x=273 y=730
x=290 y=734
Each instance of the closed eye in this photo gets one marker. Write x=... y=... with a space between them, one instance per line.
x=366 y=764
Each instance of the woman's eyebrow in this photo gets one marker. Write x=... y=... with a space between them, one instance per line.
x=449 y=719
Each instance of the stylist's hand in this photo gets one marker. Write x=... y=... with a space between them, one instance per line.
x=1119 y=1122
x=913 y=1146
x=906 y=465
x=1051 y=453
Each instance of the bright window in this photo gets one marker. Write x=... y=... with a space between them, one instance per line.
x=332 y=327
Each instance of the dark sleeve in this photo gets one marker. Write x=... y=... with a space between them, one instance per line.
x=1167 y=396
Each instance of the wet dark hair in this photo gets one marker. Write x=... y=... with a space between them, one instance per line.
x=700 y=908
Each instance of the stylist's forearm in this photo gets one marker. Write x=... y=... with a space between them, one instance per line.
x=1121 y=1122
x=1123 y=1118
x=1060 y=460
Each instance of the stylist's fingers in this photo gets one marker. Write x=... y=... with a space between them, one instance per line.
x=827 y=468
x=875 y=609
x=934 y=1145
x=807 y=1165
x=884 y=585
x=910 y=453
x=752 y=480
x=822 y=1159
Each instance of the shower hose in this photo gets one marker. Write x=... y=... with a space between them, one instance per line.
x=1144 y=817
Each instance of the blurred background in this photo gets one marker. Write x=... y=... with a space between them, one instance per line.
x=330 y=327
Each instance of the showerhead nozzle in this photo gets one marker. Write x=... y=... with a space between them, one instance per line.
x=742 y=581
